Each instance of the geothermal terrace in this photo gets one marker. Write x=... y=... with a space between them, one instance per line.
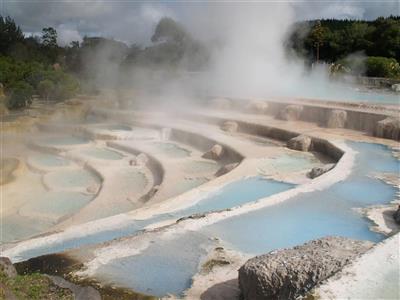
x=172 y=203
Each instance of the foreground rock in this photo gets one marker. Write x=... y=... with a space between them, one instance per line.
x=214 y=153
x=290 y=273
x=337 y=119
x=300 y=143
x=318 y=171
x=388 y=128
x=7 y=268
x=291 y=113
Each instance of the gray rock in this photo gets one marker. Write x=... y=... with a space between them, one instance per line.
x=7 y=267
x=396 y=87
x=229 y=126
x=80 y=292
x=291 y=113
x=388 y=128
x=226 y=169
x=214 y=153
x=258 y=107
x=318 y=171
x=300 y=142
x=290 y=273
x=396 y=215
x=337 y=118
x=141 y=160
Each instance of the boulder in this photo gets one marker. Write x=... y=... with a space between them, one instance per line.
x=396 y=87
x=7 y=267
x=153 y=191
x=229 y=126
x=291 y=113
x=221 y=103
x=300 y=142
x=396 y=215
x=388 y=128
x=141 y=160
x=318 y=171
x=258 y=107
x=214 y=153
x=226 y=169
x=291 y=273
x=337 y=118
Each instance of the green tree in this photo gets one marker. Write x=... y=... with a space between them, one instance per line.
x=318 y=37
x=10 y=34
x=21 y=95
x=49 y=37
x=46 y=89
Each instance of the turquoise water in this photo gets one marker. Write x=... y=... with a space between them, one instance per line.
x=171 y=150
x=102 y=153
x=49 y=160
x=231 y=195
x=64 y=141
x=316 y=214
x=66 y=179
x=163 y=268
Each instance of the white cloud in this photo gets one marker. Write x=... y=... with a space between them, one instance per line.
x=66 y=34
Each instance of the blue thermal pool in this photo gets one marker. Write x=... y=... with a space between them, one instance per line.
x=171 y=150
x=67 y=179
x=102 y=153
x=63 y=141
x=48 y=160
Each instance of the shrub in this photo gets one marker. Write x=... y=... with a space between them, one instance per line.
x=20 y=96
x=382 y=67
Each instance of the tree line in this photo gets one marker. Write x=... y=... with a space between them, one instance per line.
x=38 y=65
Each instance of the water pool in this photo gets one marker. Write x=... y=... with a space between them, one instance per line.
x=288 y=163
x=48 y=160
x=54 y=205
x=63 y=141
x=316 y=214
x=114 y=127
x=69 y=179
x=171 y=150
x=150 y=272
x=102 y=153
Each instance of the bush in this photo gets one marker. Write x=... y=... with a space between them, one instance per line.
x=20 y=96
x=382 y=67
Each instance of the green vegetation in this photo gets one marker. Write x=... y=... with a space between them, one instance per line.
x=33 y=287
x=335 y=41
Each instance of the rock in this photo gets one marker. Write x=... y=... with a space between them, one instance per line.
x=214 y=153
x=258 y=107
x=7 y=267
x=290 y=273
x=396 y=215
x=141 y=160
x=388 y=128
x=300 y=142
x=396 y=87
x=291 y=113
x=337 y=118
x=226 y=169
x=229 y=126
x=221 y=103
x=318 y=171
x=80 y=292
x=153 y=191
x=92 y=189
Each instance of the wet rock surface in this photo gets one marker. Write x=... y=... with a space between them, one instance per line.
x=80 y=292
x=396 y=215
x=214 y=153
x=337 y=119
x=291 y=273
x=301 y=143
x=318 y=171
x=388 y=128
x=291 y=113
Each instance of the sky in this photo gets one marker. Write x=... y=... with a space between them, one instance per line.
x=133 y=21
